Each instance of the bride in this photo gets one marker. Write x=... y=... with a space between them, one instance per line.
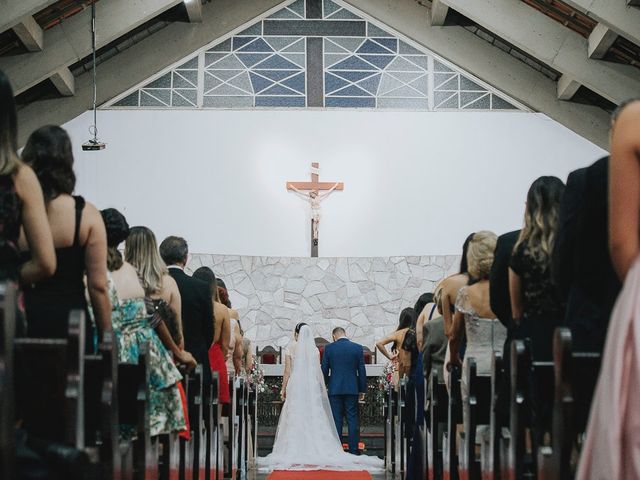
x=306 y=438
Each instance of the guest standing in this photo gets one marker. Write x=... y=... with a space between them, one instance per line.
x=197 y=308
x=21 y=204
x=535 y=305
x=132 y=330
x=80 y=241
x=220 y=346
x=537 y=310
x=399 y=355
x=161 y=290
x=501 y=306
x=234 y=353
x=589 y=288
x=485 y=334
x=612 y=445
x=435 y=343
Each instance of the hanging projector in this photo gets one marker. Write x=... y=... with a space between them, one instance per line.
x=94 y=144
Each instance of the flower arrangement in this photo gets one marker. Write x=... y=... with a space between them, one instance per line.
x=255 y=378
x=386 y=377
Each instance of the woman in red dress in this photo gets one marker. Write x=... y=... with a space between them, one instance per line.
x=220 y=346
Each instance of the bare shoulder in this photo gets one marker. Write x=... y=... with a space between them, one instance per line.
x=91 y=215
x=24 y=179
x=168 y=282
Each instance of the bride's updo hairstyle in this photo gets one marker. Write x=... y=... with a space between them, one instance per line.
x=298 y=327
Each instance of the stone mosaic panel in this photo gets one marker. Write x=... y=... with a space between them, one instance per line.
x=363 y=295
x=315 y=53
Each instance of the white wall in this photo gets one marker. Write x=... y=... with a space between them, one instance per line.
x=415 y=182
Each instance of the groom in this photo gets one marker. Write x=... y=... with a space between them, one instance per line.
x=344 y=372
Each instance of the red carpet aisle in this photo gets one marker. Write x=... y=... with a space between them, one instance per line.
x=319 y=475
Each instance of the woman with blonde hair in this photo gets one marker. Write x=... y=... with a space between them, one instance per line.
x=161 y=291
x=473 y=316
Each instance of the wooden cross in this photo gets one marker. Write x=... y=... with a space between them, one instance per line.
x=314 y=187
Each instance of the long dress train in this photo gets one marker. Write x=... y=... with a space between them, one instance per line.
x=306 y=438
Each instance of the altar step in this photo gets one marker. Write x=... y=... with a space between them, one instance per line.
x=373 y=441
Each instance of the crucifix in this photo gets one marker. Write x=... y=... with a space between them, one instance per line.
x=311 y=192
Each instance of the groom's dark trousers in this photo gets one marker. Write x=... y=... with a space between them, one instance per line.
x=344 y=372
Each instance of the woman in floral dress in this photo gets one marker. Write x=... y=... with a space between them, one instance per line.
x=132 y=329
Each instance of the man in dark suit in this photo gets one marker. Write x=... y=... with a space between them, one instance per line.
x=500 y=301
x=581 y=265
x=344 y=372
x=197 y=306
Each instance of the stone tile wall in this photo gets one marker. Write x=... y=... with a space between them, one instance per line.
x=363 y=295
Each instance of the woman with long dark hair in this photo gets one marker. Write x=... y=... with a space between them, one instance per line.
x=535 y=305
x=79 y=238
x=21 y=204
x=398 y=354
x=220 y=346
x=452 y=285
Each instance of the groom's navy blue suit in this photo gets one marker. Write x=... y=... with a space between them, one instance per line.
x=343 y=368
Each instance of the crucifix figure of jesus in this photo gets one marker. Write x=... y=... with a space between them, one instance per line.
x=314 y=192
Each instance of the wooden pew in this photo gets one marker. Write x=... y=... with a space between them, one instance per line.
x=195 y=404
x=253 y=422
x=477 y=408
x=8 y=306
x=454 y=417
x=101 y=409
x=401 y=434
x=139 y=458
x=216 y=451
x=491 y=461
x=52 y=371
x=576 y=375
x=438 y=412
x=524 y=374
x=230 y=465
x=186 y=449
x=389 y=430
x=241 y=431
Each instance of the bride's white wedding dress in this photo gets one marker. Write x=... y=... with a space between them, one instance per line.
x=306 y=438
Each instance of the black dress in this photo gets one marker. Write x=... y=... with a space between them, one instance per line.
x=49 y=302
x=542 y=309
x=10 y=221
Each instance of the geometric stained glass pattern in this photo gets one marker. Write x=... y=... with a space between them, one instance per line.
x=315 y=53
x=255 y=71
x=176 y=88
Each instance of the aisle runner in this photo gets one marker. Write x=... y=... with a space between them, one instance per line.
x=319 y=475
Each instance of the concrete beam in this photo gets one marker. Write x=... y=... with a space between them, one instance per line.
x=194 y=10
x=64 y=82
x=567 y=87
x=614 y=14
x=70 y=41
x=137 y=63
x=13 y=11
x=30 y=34
x=600 y=41
x=438 y=13
x=491 y=65
x=553 y=44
